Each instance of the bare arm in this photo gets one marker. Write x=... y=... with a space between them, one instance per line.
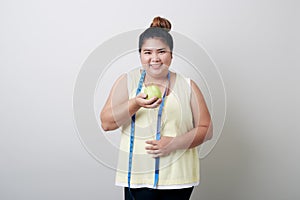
x=201 y=132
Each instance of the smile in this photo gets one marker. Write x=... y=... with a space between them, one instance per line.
x=155 y=66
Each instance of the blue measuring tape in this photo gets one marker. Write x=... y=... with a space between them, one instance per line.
x=158 y=131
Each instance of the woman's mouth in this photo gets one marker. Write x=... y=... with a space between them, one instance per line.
x=155 y=66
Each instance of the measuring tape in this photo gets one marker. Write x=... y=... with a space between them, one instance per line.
x=158 y=133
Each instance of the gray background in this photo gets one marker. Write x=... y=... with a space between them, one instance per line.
x=44 y=43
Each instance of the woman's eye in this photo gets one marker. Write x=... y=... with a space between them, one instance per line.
x=147 y=52
x=162 y=52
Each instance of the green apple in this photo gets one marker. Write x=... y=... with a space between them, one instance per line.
x=152 y=91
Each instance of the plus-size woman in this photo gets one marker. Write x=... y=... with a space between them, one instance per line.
x=158 y=159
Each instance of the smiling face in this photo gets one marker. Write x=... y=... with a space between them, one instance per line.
x=156 y=57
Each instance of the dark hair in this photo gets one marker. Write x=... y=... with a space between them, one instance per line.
x=159 y=28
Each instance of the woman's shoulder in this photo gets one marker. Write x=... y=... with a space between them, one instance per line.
x=182 y=79
x=129 y=75
x=134 y=73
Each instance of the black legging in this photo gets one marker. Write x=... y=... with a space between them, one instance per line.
x=155 y=194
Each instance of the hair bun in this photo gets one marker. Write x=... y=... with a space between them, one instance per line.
x=161 y=23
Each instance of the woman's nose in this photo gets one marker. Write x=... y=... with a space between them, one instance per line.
x=155 y=56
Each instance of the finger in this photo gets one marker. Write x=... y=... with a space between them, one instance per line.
x=158 y=101
x=152 y=142
x=154 y=152
x=151 y=106
x=142 y=95
x=151 y=147
x=151 y=101
x=157 y=155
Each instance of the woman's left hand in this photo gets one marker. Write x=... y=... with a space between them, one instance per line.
x=160 y=148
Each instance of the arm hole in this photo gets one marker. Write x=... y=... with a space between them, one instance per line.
x=189 y=82
x=127 y=77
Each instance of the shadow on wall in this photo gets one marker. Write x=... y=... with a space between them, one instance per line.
x=225 y=170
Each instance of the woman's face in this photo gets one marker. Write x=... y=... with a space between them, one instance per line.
x=156 y=56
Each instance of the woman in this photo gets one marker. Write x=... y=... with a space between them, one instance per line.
x=158 y=159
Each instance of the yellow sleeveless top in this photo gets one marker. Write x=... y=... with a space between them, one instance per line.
x=178 y=169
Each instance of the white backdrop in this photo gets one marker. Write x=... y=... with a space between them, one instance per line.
x=255 y=45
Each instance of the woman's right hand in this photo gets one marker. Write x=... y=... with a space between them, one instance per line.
x=141 y=100
x=118 y=109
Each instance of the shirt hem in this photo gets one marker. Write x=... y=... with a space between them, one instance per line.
x=162 y=187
